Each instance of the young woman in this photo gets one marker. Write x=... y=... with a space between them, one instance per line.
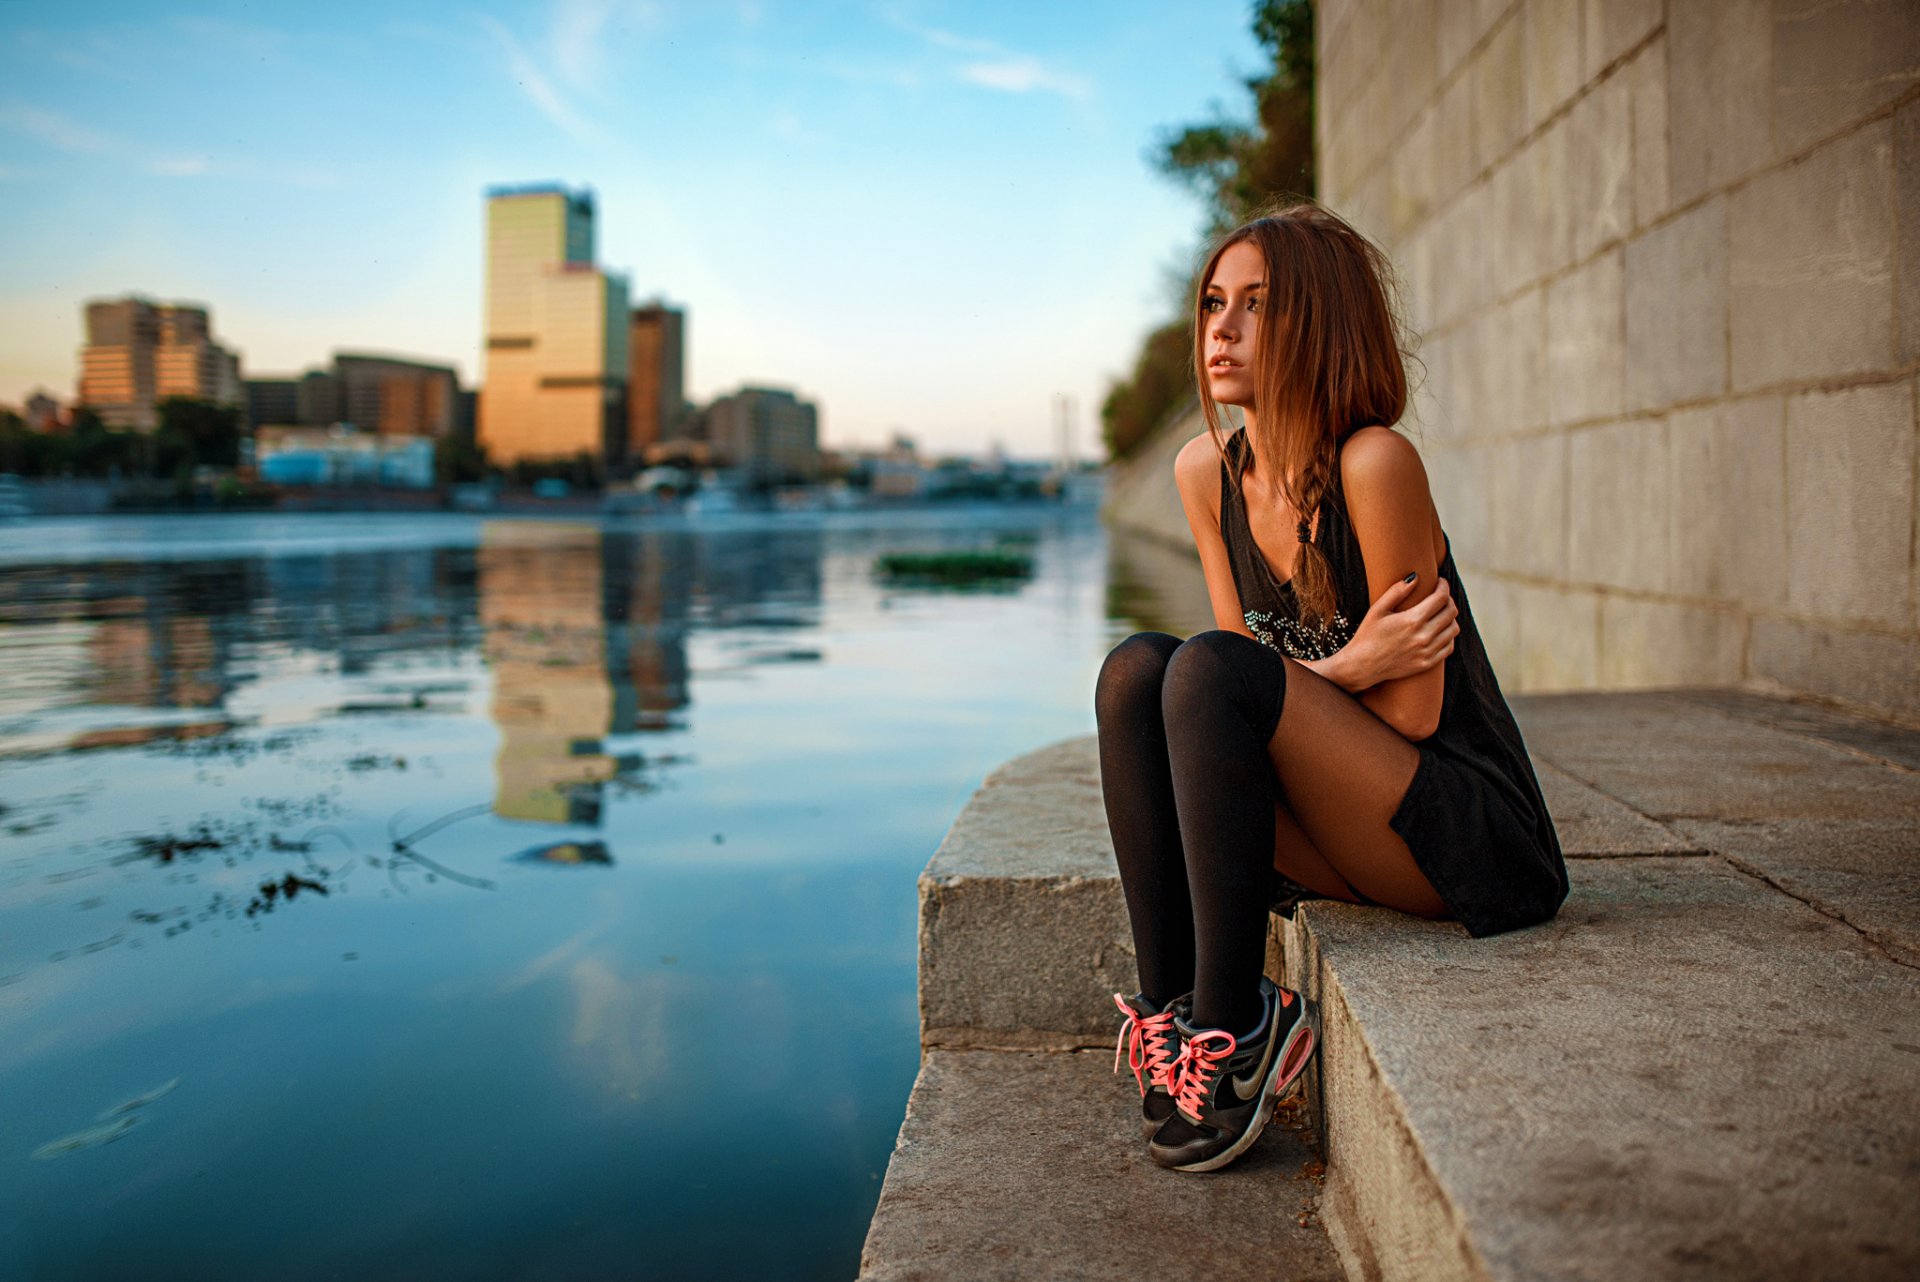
x=1340 y=734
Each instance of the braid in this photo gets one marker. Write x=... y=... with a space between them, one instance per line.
x=1312 y=572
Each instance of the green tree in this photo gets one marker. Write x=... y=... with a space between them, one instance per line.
x=1160 y=384
x=196 y=433
x=1235 y=166
x=98 y=450
x=457 y=460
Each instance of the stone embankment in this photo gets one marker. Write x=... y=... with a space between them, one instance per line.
x=1707 y=1066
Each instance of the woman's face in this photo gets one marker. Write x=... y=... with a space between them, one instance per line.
x=1231 y=311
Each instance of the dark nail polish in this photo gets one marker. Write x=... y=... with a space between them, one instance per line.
x=1410 y=578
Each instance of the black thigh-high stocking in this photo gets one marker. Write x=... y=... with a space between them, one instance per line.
x=1136 y=783
x=1221 y=700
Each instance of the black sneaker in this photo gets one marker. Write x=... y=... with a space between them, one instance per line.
x=1147 y=1041
x=1224 y=1089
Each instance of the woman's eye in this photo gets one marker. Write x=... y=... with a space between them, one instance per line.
x=1213 y=304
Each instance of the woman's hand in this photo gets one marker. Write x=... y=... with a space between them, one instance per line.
x=1394 y=642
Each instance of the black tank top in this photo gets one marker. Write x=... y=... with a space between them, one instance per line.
x=1268 y=605
x=1473 y=816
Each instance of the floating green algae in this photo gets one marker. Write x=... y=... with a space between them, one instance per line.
x=962 y=568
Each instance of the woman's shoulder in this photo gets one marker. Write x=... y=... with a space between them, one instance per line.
x=1378 y=460
x=1196 y=468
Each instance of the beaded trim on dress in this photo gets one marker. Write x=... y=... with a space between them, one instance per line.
x=1296 y=638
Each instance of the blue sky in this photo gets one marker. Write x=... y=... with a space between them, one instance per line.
x=927 y=217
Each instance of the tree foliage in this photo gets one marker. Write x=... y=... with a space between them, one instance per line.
x=1161 y=381
x=1235 y=166
x=198 y=433
x=192 y=433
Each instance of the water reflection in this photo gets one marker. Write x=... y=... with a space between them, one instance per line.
x=445 y=864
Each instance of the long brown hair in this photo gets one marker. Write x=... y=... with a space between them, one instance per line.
x=1331 y=352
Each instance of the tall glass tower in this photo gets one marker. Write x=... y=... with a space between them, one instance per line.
x=555 y=376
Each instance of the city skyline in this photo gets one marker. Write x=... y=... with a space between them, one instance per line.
x=928 y=218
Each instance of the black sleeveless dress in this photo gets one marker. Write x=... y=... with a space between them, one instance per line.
x=1473 y=815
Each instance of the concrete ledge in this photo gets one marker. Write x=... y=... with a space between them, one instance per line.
x=1696 y=1076
x=1707 y=1066
x=1023 y=930
x=1019 y=1167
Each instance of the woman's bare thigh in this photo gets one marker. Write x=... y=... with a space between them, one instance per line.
x=1343 y=772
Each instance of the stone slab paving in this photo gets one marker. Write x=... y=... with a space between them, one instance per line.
x=1592 y=824
x=1865 y=872
x=1669 y=756
x=1027 y=1167
x=1899 y=745
x=1686 y=1074
x=1707 y=1066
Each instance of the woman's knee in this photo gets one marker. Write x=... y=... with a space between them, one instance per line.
x=1218 y=665
x=1131 y=675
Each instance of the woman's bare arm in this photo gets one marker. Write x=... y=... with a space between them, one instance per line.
x=1196 y=470
x=1392 y=513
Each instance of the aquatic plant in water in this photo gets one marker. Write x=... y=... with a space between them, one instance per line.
x=957 y=568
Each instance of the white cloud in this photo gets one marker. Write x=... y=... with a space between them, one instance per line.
x=1021 y=74
x=584 y=32
x=539 y=89
x=577 y=40
x=235 y=39
x=788 y=127
x=179 y=167
x=53 y=129
x=958 y=43
x=994 y=66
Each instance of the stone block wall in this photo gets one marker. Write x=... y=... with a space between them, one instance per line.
x=1664 y=260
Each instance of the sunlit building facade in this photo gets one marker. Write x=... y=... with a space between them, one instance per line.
x=393 y=397
x=768 y=435
x=555 y=377
x=656 y=378
x=139 y=353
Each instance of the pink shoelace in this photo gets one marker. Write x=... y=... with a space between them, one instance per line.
x=1194 y=1069
x=1147 y=1044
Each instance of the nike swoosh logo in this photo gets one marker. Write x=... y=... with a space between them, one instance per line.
x=1249 y=1086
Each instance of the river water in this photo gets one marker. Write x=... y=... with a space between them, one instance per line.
x=442 y=897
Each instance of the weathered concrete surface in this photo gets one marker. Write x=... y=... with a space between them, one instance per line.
x=1707 y=1066
x=1027 y=1166
x=1023 y=930
x=1686 y=1074
x=1590 y=823
x=1899 y=745
x=1671 y=757
x=1864 y=872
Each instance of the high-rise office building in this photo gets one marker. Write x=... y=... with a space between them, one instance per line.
x=767 y=434
x=656 y=377
x=139 y=352
x=554 y=384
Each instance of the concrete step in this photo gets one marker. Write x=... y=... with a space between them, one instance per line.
x=1021 y=1166
x=1707 y=1066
